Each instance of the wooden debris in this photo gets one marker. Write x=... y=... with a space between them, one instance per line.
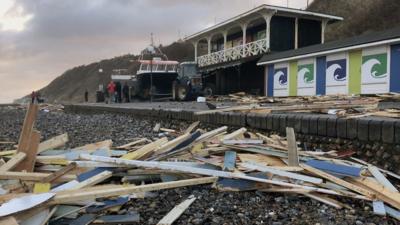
x=292 y=147
x=53 y=143
x=145 y=150
x=13 y=162
x=29 y=162
x=176 y=212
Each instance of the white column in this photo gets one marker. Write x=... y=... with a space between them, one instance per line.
x=268 y=30
x=296 y=34
x=195 y=44
x=209 y=45
x=323 y=26
x=244 y=31
x=225 y=34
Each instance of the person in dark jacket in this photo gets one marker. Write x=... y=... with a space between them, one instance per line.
x=33 y=97
x=86 y=95
x=118 y=90
x=125 y=91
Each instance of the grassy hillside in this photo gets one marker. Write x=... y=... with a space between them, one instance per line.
x=360 y=16
x=71 y=85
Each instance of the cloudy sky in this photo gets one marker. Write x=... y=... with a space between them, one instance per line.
x=40 y=39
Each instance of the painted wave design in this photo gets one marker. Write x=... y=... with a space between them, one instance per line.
x=369 y=68
x=282 y=77
x=308 y=77
x=336 y=71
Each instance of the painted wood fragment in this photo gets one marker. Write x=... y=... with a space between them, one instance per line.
x=229 y=161
x=13 y=162
x=381 y=178
x=292 y=147
x=336 y=169
x=23 y=203
x=379 y=208
x=176 y=212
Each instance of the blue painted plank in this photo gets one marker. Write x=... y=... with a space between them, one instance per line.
x=270 y=87
x=187 y=142
x=107 y=204
x=321 y=75
x=395 y=68
x=228 y=184
x=335 y=169
x=229 y=161
x=84 y=176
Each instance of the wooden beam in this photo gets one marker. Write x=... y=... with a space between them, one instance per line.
x=31 y=151
x=13 y=162
x=82 y=195
x=127 y=146
x=292 y=147
x=192 y=127
x=53 y=143
x=27 y=128
x=234 y=134
x=32 y=176
x=54 y=176
x=145 y=150
x=261 y=168
x=93 y=180
x=176 y=212
x=339 y=181
x=381 y=178
x=171 y=144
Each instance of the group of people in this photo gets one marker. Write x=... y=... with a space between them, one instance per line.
x=117 y=93
x=35 y=97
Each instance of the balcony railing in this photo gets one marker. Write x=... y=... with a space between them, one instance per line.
x=242 y=51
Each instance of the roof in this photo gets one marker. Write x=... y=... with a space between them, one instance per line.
x=265 y=7
x=367 y=40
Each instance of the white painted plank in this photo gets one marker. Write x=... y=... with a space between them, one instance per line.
x=379 y=208
x=176 y=212
x=381 y=178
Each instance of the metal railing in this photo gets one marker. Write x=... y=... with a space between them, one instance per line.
x=235 y=53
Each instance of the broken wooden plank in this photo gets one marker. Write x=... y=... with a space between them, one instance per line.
x=171 y=144
x=192 y=127
x=8 y=221
x=381 y=178
x=211 y=133
x=13 y=162
x=45 y=184
x=27 y=128
x=157 y=127
x=234 y=134
x=88 y=194
x=243 y=142
x=129 y=145
x=94 y=146
x=93 y=180
x=176 y=212
x=131 y=218
x=32 y=176
x=325 y=200
x=379 y=208
x=31 y=151
x=145 y=150
x=261 y=168
x=229 y=161
x=338 y=181
x=84 y=219
x=53 y=143
x=342 y=170
x=292 y=147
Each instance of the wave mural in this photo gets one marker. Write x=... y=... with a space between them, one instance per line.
x=337 y=70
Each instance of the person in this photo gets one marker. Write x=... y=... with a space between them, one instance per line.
x=118 y=90
x=33 y=97
x=86 y=95
x=111 y=91
x=125 y=91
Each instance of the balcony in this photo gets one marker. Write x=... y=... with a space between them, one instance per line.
x=231 y=54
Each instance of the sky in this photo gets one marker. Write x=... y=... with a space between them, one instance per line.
x=40 y=39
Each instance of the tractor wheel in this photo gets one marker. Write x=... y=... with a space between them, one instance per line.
x=182 y=92
x=209 y=90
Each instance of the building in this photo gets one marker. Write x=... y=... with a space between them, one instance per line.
x=227 y=53
x=367 y=64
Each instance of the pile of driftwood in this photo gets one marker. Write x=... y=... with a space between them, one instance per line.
x=89 y=184
x=342 y=106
